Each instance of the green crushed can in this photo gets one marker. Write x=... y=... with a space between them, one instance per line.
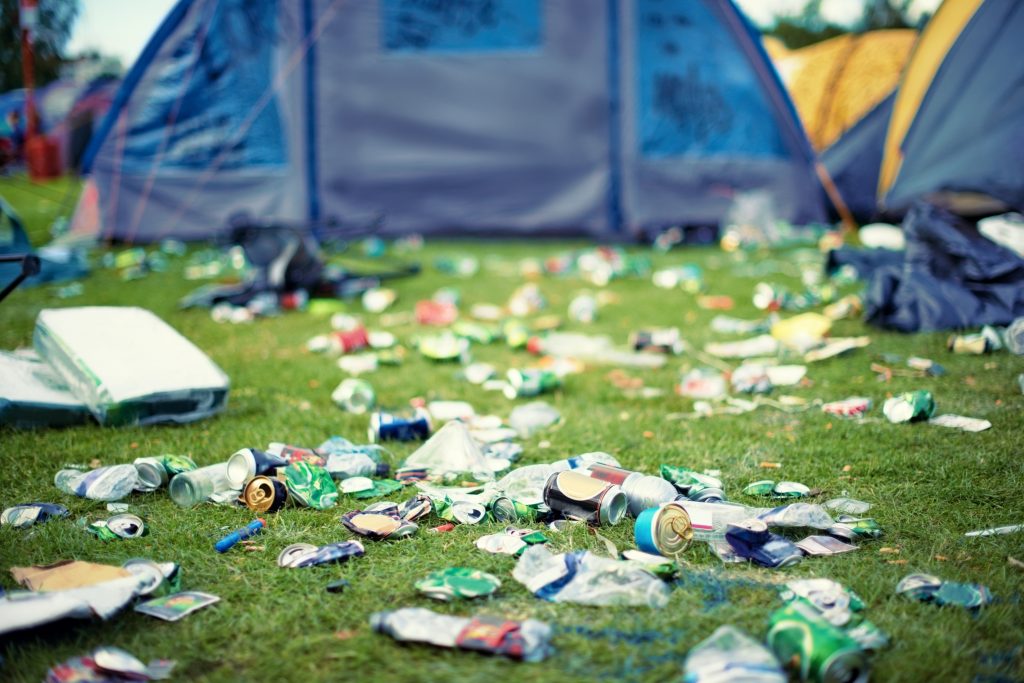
x=458 y=582
x=531 y=382
x=759 y=488
x=813 y=648
x=310 y=485
x=912 y=406
x=505 y=509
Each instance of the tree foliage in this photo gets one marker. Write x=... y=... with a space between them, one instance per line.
x=53 y=29
x=809 y=26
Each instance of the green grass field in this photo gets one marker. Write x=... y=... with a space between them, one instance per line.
x=928 y=486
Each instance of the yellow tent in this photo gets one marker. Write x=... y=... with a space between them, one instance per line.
x=836 y=82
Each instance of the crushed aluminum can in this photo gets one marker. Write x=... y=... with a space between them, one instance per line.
x=510 y=542
x=458 y=582
x=124 y=525
x=751 y=540
x=928 y=588
x=300 y=555
x=23 y=516
x=702 y=383
x=378 y=525
x=311 y=486
x=354 y=396
x=386 y=426
x=751 y=378
x=855 y=406
x=823 y=546
x=912 y=406
x=444 y=347
x=530 y=382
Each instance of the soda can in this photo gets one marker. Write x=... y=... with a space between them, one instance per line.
x=24 y=516
x=576 y=495
x=913 y=406
x=474 y=332
x=152 y=473
x=759 y=488
x=531 y=382
x=246 y=463
x=160 y=579
x=853 y=528
x=505 y=509
x=663 y=530
x=386 y=426
x=264 y=494
x=667 y=340
x=348 y=341
x=311 y=486
x=458 y=582
x=124 y=525
x=802 y=638
x=354 y=396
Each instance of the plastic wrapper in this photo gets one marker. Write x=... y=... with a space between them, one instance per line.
x=451 y=450
x=128 y=366
x=588 y=579
x=730 y=656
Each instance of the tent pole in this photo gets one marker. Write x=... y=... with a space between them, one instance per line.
x=849 y=224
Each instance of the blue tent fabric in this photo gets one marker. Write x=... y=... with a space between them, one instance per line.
x=968 y=134
x=948 y=277
x=501 y=117
x=853 y=161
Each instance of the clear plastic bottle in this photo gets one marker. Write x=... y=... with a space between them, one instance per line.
x=356 y=464
x=710 y=520
x=113 y=482
x=729 y=654
x=592 y=349
x=191 y=488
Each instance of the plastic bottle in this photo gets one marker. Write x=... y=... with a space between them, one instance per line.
x=356 y=464
x=528 y=640
x=585 y=460
x=729 y=654
x=711 y=520
x=191 y=488
x=113 y=482
x=642 y=490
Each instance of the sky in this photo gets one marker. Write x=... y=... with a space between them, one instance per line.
x=121 y=28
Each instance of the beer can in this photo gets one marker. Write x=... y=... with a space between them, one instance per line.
x=970 y=344
x=663 y=530
x=263 y=494
x=912 y=406
x=505 y=509
x=354 y=396
x=530 y=382
x=152 y=473
x=246 y=463
x=820 y=652
x=576 y=495
x=386 y=426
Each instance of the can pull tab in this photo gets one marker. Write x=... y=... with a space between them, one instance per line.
x=490 y=634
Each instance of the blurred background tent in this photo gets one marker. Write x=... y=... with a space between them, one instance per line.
x=952 y=131
x=508 y=117
x=836 y=82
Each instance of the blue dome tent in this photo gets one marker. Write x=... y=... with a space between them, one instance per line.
x=607 y=118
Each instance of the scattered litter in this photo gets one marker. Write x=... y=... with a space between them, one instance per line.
x=299 y=555
x=913 y=406
x=996 y=531
x=109 y=665
x=728 y=654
